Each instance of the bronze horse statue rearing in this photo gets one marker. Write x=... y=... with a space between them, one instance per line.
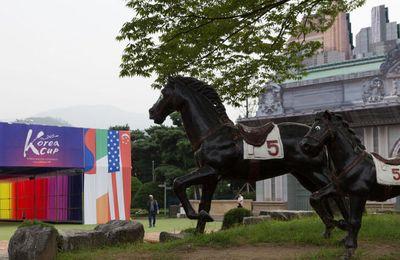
x=355 y=170
x=218 y=146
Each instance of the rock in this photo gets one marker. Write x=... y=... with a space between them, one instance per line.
x=33 y=242
x=286 y=214
x=255 y=220
x=122 y=231
x=166 y=236
x=74 y=240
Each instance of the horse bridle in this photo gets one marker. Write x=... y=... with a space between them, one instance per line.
x=336 y=176
x=327 y=132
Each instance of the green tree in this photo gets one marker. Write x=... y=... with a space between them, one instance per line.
x=237 y=46
x=142 y=196
x=168 y=147
x=136 y=184
x=120 y=127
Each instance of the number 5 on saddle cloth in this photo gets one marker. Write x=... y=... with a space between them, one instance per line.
x=262 y=143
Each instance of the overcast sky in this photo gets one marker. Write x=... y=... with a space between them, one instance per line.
x=60 y=53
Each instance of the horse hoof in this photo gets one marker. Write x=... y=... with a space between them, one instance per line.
x=348 y=254
x=204 y=216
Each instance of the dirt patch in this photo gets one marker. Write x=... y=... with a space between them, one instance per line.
x=261 y=251
x=268 y=251
x=379 y=250
x=3 y=249
x=152 y=237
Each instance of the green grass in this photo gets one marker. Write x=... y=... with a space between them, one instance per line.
x=162 y=224
x=307 y=231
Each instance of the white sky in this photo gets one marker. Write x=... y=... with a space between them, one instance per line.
x=60 y=53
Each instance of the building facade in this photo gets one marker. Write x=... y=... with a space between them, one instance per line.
x=364 y=88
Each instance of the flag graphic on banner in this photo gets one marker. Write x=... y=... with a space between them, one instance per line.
x=113 y=151
x=109 y=185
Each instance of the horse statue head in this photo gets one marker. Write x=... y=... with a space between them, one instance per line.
x=181 y=92
x=326 y=128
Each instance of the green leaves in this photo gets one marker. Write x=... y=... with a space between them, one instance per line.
x=168 y=147
x=237 y=46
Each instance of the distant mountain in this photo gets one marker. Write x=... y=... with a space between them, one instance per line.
x=43 y=121
x=98 y=116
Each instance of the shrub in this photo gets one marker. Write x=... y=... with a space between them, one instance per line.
x=235 y=217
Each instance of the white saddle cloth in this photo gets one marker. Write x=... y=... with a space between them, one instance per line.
x=386 y=174
x=271 y=149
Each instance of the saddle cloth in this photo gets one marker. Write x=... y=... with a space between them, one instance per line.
x=387 y=173
x=272 y=148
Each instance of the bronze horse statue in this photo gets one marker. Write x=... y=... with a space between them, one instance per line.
x=218 y=146
x=355 y=174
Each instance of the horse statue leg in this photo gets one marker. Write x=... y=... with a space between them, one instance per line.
x=206 y=176
x=357 y=206
x=322 y=208
x=205 y=204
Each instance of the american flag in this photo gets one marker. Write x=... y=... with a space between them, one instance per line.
x=113 y=151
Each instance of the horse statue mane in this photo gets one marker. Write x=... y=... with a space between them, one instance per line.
x=208 y=92
x=348 y=132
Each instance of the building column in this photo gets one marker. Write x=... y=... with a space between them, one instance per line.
x=279 y=188
x=383 y=142
x=260 y=191
x=369 y=138
x=267 y=190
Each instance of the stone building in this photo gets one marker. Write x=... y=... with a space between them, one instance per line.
x=380 y=37
x=336 y=42
x=365 y=89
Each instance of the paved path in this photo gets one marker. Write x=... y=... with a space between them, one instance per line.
x=152 y=237
x=3 y=250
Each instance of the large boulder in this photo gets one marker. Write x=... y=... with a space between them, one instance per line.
x=33 y=242
x=121 y=231
x=166 y=236
x=79 y=239
x=287 y=214
x=255 y=220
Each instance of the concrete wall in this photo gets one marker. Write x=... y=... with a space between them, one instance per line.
x=220 y=207
x=267 y=205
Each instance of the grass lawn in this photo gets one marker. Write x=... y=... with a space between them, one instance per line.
x=377 y=232
x=162 y=224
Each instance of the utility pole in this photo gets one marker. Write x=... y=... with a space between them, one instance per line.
x=152 y=171
x=164 y=185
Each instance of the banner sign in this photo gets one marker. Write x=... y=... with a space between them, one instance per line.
x=25 y=145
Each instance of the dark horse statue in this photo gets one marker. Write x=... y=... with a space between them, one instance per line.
x=355 y=174
x=218 y=147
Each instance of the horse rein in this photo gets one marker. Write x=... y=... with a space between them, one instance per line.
x=351 y=165
x=197 y=143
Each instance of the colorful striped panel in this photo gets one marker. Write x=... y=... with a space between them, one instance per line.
x=54 y=198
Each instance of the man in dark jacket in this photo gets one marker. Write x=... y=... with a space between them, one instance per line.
x=152 y=208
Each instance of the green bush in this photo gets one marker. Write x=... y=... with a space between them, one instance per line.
x=235 y=217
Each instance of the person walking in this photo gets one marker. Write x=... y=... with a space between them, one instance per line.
x=240 y=200
x=153 y=209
